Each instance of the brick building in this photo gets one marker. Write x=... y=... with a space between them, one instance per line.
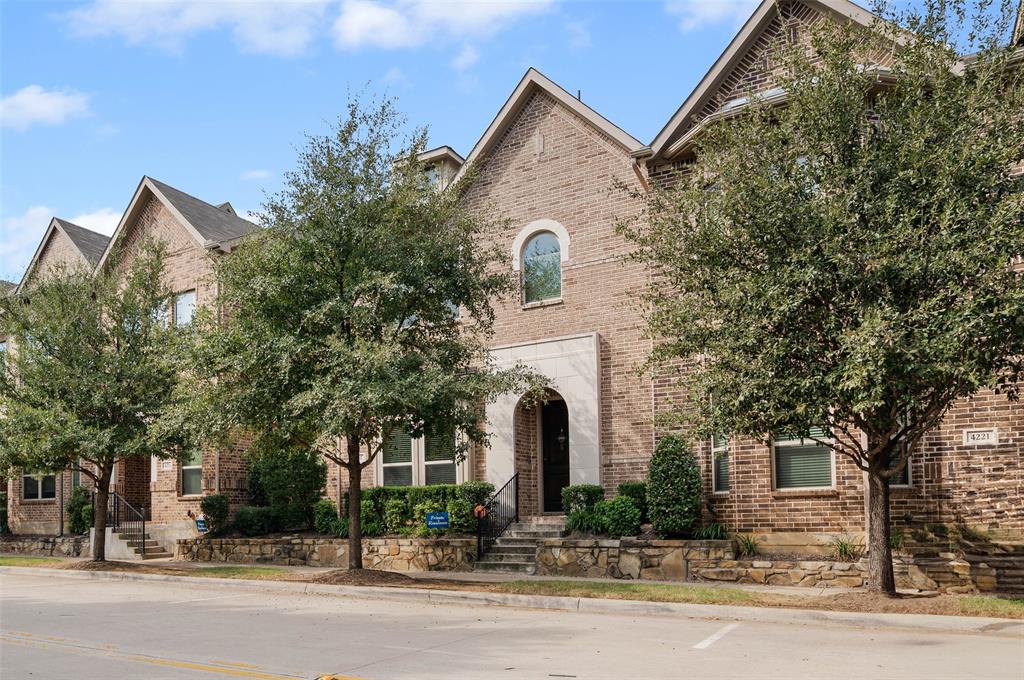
x=559 y=176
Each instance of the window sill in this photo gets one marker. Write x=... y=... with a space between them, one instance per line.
x=38 y=501
x=189 y=496
x=720 y=494
x=783 y=494
x=542 y=303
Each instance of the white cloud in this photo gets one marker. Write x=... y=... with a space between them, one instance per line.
x=19 y=236
x=465 y=58
x=255 y=175
x=579 y=35
x=695 y=14
x=395 y=77
x=33 y=105
x=409 y=23
x=271 y=27
x=103 y=220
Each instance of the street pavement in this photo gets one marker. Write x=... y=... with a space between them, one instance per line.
x=62 y=627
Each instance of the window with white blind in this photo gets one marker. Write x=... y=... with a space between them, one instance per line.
x=192 y=475
x=803 y=463
x=184 y=308
x=424 y=461
x=720 y=463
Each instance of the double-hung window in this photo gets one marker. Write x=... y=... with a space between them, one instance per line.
x=184 y=307
x=192 y=474
x=423 y=461
x=803 y=463
x=720 y=463
x=38 y=486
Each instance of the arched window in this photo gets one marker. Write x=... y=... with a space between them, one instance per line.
x=542 y=268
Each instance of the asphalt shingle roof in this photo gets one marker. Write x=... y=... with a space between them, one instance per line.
x=90 y=243
x=213 y=223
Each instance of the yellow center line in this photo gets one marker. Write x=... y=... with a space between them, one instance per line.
x=239 y=670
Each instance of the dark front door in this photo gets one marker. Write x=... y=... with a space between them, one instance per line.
x=555 y=447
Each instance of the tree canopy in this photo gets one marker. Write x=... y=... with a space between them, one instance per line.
x=361 y=307
x=91 y=370
x=846 y=260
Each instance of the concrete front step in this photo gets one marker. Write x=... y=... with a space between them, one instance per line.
x=496 y=556
x=519 y=549
x=155 y=555
x=520 y=533
x=506 y=567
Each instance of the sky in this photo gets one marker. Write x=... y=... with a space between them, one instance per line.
x=215 y=98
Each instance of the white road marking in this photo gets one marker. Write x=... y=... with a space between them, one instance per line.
x=718 y=635
x=205 y=599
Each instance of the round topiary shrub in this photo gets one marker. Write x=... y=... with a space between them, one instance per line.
x=216 y=509
x=674 y=488
x=80 y=512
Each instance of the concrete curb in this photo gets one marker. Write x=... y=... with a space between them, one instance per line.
x=911 y=622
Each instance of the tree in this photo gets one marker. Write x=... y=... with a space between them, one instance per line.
x=90 y=375
x=360 y=309
x=840 y=268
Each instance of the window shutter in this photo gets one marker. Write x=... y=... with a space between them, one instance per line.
x=808 y=465
x=721 y=460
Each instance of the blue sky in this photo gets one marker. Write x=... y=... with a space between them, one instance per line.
x=214 y=98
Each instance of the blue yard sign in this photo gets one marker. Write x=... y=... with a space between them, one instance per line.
x=201 y=525
x=437 y=520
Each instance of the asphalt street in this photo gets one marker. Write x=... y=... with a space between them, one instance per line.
x=60 y=627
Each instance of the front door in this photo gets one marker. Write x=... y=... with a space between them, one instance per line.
x=555 y=449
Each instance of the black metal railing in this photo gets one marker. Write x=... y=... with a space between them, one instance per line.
x=125 y=518
x=501 y=510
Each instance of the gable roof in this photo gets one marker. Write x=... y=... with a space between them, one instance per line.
x=681 y=120
x=211 y=226
x=88 y=243
x=534 y=81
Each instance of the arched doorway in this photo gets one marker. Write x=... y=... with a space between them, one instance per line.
x=553 y=444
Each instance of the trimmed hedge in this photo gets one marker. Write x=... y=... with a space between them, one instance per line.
x=402 y=509
x=216 y=509
x=581 y=497
x=638 y=492
x=619 y=517
x=257 y=521
x=290 y=481
x=674 y=488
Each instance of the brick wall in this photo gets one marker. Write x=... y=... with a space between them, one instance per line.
x=552 y=164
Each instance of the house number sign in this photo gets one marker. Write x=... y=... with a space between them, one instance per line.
x=986 y=437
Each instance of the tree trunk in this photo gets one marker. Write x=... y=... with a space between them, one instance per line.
x=355 y=496
x=880 y=573
x=99 y=548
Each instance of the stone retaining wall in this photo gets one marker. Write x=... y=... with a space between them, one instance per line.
x=715 y=561
x=628 y=558
x=396 y=554
x=46 y=546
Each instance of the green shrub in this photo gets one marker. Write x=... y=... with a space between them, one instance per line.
x=4 y=528
x=257 y=521
x=845 y=549
x=581 y=497
x=619 y=517
x=475 y=493
x=896 y=539
x=290 y=481
x=674 y=488
x=216 y=509
x=638 y=492
x=371 y=521
x=585 y=521
x=80 y=512
x=326 y=520
x=716 y=531
x=419 y=513
x=396 y=515
x=746 y=545
x=460 y=516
